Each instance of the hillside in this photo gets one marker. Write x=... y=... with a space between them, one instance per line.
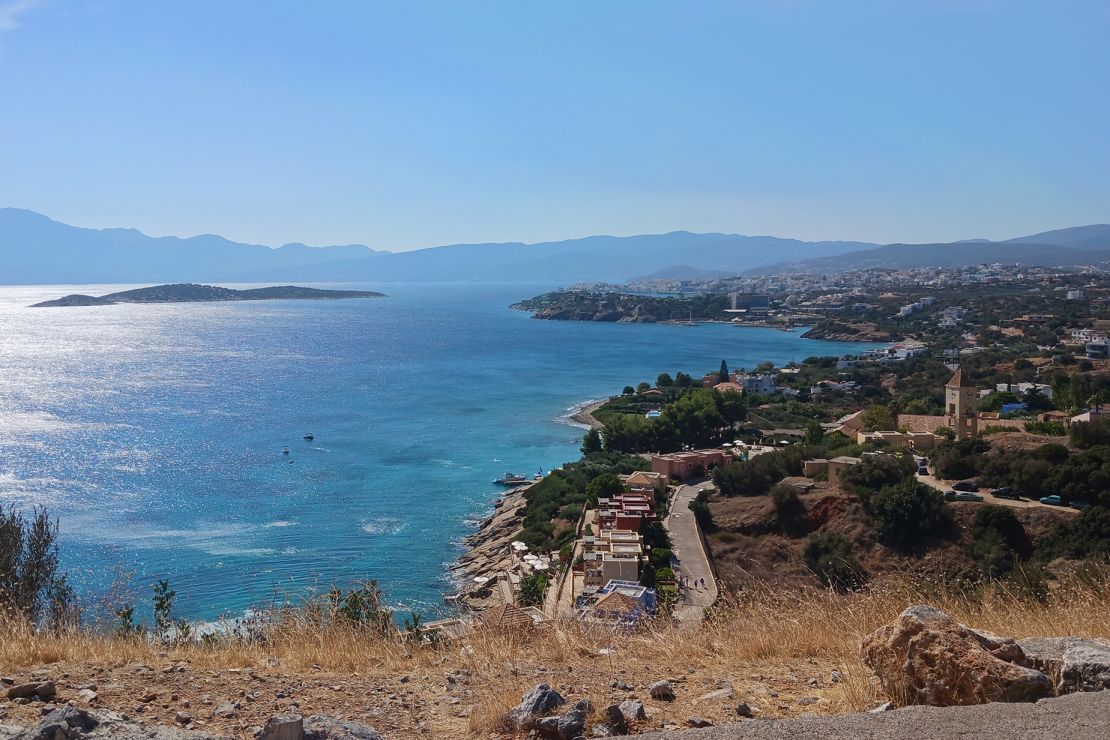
x=190 y=293
x=957 y=254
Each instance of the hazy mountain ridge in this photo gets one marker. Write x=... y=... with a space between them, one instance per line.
x=36 y=249
x=1071 y=247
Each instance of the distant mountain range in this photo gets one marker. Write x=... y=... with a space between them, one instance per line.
x=1072 y=247
x=36 y=249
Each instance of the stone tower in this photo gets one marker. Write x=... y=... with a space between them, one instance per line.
x=961 y=401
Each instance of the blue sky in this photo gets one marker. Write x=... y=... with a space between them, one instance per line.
x=409 y=124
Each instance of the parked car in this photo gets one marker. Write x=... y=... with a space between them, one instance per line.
x=1005 y=492
x=1081 y=505
x=965 y=485
x=922 y=470
x=965 y=496
x=1053 y=500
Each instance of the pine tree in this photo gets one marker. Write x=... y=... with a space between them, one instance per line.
x=722 y=377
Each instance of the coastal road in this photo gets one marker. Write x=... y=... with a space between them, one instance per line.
x=988 y=498
x=691 y=560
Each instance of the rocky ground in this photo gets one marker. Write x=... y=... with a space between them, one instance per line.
x=237 y=702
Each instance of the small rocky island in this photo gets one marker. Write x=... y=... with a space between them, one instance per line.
x=570 y=305
x=193 y=293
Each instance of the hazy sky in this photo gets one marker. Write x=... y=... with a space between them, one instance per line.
x=408 y=123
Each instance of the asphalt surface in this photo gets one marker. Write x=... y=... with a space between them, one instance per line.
x=692 y=561
x=1071 y=717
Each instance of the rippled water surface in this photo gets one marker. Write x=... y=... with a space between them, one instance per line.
x=155 y=433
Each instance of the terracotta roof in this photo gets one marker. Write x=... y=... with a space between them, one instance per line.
x=959 y=381
x=507 y=615
x=729 y=386
x=615 y=601
x=921 y=422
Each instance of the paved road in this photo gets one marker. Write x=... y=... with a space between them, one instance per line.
x=692 y=561
x=1075 y=717
x=943 y=487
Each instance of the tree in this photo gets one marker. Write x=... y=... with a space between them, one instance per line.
x=907 y=513
x=628 y=391
x=29 y=577
x=642 y=387
x=722 y=376
x=605 y=485
x=683 y=380
x=591 y=442
x=878 y=419
x=664 y=380
x=829 y=556
x=741 y=479
x=815 y=433
x=532 y=589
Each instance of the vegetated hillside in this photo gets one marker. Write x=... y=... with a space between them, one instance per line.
x=749 y=544
x=957 y=254
x=581 y=306
x=1094 y=236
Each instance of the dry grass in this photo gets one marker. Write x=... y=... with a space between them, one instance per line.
x=770 y=646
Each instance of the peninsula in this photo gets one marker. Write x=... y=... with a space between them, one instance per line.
x=193 y=293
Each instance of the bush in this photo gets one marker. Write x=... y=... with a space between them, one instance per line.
x=532 y=589
x=1090 y=434
x=700 y=507
x=1084 y=536
x=907 y=513
x=999 y=541
x=877 y=471
x=829 y=556
x=790 y=512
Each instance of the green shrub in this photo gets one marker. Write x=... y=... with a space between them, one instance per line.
x=829 y=556
x=908 y=513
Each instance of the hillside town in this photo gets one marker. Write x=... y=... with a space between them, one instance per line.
x=990 y=397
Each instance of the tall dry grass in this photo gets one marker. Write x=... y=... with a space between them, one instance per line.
x=759 y=627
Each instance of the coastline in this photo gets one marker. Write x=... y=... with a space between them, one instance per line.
x=582 y=414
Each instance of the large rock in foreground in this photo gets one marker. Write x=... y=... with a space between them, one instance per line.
x=1074 y=663
x=927 y=657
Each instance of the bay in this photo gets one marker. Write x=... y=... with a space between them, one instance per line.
x=154 y=433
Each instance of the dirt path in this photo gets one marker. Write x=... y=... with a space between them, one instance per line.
x=1076 y=717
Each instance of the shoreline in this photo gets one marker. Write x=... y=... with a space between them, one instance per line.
x=582 y=414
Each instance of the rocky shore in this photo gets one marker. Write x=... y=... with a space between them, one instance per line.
x=488 y=550
x=583 y=415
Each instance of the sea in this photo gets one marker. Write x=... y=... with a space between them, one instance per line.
x=156 y=434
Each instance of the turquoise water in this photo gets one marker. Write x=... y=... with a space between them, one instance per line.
x=155 y=433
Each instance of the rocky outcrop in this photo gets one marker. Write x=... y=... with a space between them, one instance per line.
x=488 y=550
x=536 y=703
x=927 y=657
x=1073 y=663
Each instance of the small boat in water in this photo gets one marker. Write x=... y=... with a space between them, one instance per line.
x=309 y=437
x=285 y=450
x=510 y=479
